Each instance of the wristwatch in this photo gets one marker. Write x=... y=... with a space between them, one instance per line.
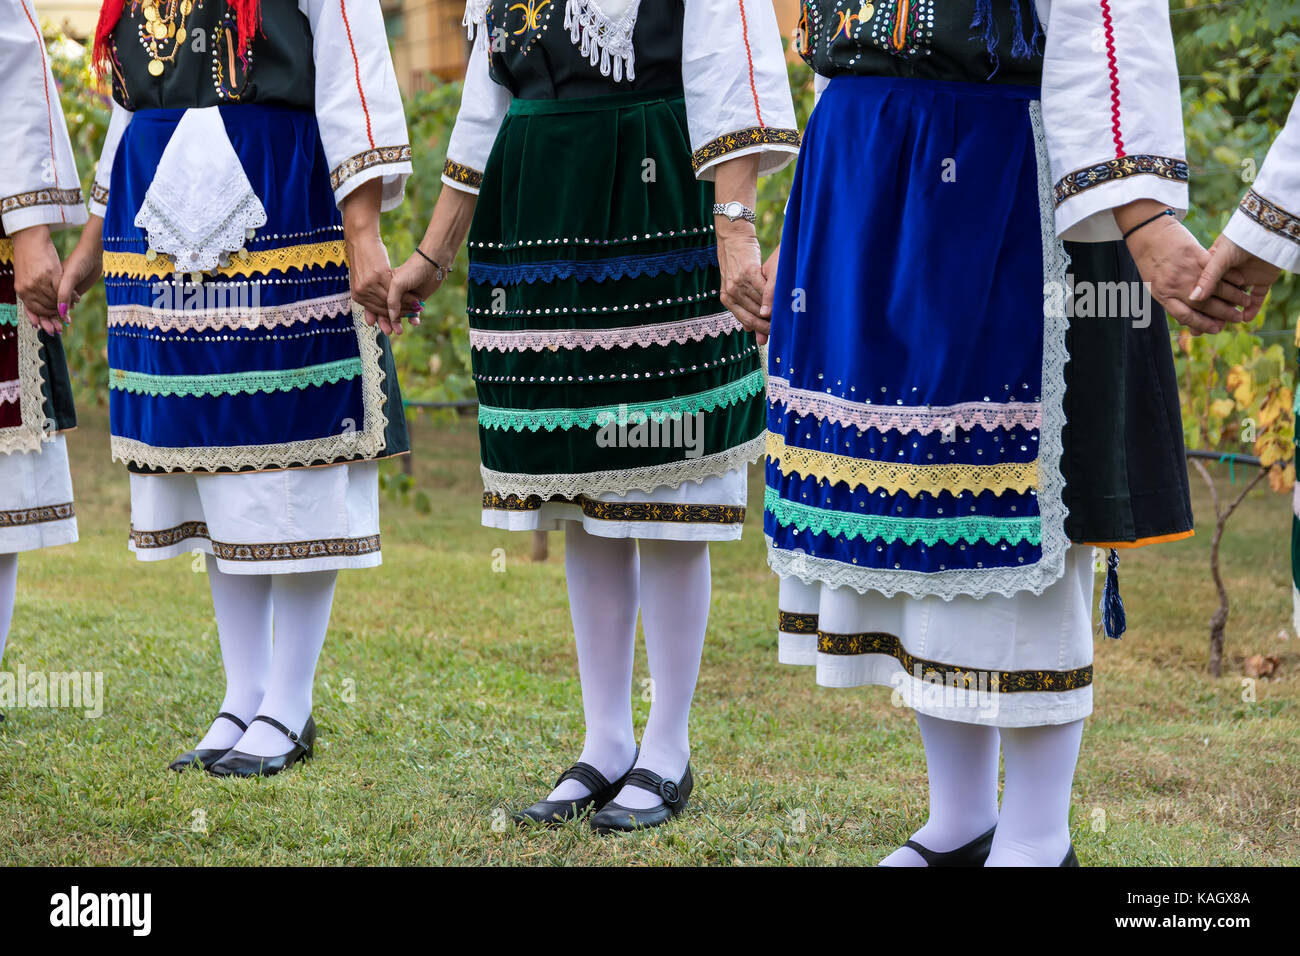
x=734 y=210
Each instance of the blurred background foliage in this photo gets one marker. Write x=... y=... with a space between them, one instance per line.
x=1240 y=66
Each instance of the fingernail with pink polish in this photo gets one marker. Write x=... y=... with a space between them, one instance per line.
x=63 y=310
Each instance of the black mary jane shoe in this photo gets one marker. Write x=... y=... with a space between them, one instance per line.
x=205 y=758
x=600 y=791
x=237 y=764
x=973 y=853
x=673 y=796
x=1070 y=858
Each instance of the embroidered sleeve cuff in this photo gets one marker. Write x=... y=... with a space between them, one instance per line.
x=391 y=163
x=775 y=147
x=42 y=207
x=1085 y=199
x=1267 y=230
x=98 y=204
x=458 y=176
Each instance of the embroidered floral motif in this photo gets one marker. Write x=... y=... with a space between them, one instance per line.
x=665 y=333
x=230 y=316
x=971 y=529
x=596 y=270
x=730 y=143
x=923 y=419
x=788 y=622
x=1122 y=167
x=1271 y=216
x=549 y=419
x=276 y=551
x=38 y=515
x=41 y=197
x=458 y=173
x=133 y=265
x=622 y=510
x=99 y=195
x=895 y=476
x=235 y=383
x=379 y=156
x=1006 y=682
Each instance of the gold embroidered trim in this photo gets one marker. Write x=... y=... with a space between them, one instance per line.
x=41 y=514
x=256 y=317
x=730 y=143
x=895 y=477
x=41 y=197
x=379 y=156
x=279 y=551
x=1271 y=216
x=787 y=622
x=6 y=251
x=99 y=194
x=462 y=174
x=134 y=265
x=364 y=443
x=29 y=435
x=1006 y=682
x=622 y=510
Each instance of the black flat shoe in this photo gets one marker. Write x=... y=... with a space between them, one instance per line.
x=236 y=764
x=1070 y=858
x=613 y=817
x=600 y=792
x=973 y=853
x=205 y=758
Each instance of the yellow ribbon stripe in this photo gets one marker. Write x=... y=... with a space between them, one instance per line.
x=133 y=265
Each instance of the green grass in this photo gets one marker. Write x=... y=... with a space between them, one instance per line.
x=448 y=693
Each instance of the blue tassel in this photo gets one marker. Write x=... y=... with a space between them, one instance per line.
x=1022 y=47
x=1113 y=620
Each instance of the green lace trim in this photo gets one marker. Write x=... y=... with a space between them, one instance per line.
x=842 y=524
x=235 y=383
x=630 y=413
x=8 y=314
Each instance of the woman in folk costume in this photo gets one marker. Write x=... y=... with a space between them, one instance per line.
x=919 y=469
x=39 y=191
x=608 y=154
x=251 y=395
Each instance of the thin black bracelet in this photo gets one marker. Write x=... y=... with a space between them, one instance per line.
x=439 y=271
x=1145 y=222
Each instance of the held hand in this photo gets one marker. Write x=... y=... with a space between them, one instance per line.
x=769 y=290
x=414 y=281
x=369 y=274
x=1170 y=261
x=36 y=277
x=81 y=270
x=1256 y=275
x=743 y=282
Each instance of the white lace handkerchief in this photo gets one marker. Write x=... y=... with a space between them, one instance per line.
x=200 y=206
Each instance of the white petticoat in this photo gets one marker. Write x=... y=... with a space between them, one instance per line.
x=36 y=509
x=711 y=510
x=944 y=658
x=269 y=522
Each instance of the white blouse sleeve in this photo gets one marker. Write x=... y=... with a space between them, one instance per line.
x=104 y=171
x=483 y=105
x=358 y=105
x=737 y=90
x=38 y=177
x=1112 y=113
x=1268 y=221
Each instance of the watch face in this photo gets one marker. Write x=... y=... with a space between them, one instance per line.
x=734 y=209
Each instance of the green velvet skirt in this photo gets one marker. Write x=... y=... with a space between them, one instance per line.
x=605 y=364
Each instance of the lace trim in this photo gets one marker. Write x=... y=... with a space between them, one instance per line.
x=227 y=237
x=622 y=481
x=379 y=156
x=899 y=476
x=596 y=270
x=364 y=443
x=133 y=265
x=6 y=251
x=925 y=419
x=604 y=41
x=549 y=419
x=742 y=139
x=234 y=383
x=843 y=524
x=10 y=391
x=666 y=333
x=41 y=197
x=980 y=582
x=1271 y=216
x=475 y=20
x=8 y=314
x=459 y=173
x=31 y=432
x=257 y=317
x=1122 y=167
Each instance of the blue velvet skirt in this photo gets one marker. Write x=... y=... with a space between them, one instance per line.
x=260 y=363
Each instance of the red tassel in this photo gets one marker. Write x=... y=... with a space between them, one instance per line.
x=248 y=21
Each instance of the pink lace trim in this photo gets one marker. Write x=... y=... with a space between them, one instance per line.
x=230 y=317
x=664 y=333
x=10 y=391
x=925 y=419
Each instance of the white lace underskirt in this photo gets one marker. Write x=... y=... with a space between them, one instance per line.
x=31 y=485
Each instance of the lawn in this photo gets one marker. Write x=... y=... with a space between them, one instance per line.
x=448 y=695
